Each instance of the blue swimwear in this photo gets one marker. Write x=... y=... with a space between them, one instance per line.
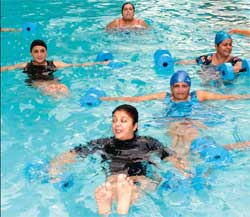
x=181 y=109
x=192 y=109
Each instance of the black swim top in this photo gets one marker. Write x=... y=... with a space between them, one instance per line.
x=131 y=156
x=37 y=72
x=207 y=59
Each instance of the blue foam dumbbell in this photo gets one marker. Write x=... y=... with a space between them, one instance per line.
x=200 y=144
x=104 y=56
x=216 y=154
x=246 y=66
x=116 y=64
x=163 y=60
x=66 y=182
x=199 y=181
x=39 y=172
x=226 y=71
x=29 y=27
x=92 y=97
x=173 y=183
x=209 y=151
x=108 y=56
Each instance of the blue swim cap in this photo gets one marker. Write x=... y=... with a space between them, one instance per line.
x=221 y=36
x=180 y=76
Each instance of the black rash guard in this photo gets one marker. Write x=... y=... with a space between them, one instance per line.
x=39 y=72
x=129 y=156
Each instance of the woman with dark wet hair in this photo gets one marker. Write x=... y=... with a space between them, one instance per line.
x=40 y=71
x=127 y=21
x=129 y=157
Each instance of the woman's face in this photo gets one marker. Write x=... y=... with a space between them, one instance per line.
x=180 y=91
x=128 y=12
x=225 y=47
x=39 y=54
x=122 y=125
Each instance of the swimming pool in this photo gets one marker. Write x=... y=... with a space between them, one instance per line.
x=35 y=127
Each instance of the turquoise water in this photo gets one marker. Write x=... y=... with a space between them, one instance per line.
x=35 y=127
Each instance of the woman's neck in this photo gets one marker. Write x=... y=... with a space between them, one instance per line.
x=127 y=22
x=220 y=59
x=39 y=64
x=127 y=139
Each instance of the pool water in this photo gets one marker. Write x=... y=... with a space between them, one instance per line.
x=36 y=127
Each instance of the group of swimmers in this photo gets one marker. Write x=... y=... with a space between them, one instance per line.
x=128 y=153
x=40 y=71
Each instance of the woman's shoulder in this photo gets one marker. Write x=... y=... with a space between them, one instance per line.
x=114 y=23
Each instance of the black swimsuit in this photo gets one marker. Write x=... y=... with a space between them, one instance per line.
x=207 y=60
x=131 y=156
x=39 y=73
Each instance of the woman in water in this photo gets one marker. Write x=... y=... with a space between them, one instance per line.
x=180 y=103
x=127 y=21
x=129 y=157
x=223 y=46
x=40 y=71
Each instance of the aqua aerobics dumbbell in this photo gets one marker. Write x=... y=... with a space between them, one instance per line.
x=246 y=66
x=92 y=97
x=226 y=70
x=29 y=27
x=108 y=56
x=38 y=172
x=163 y=60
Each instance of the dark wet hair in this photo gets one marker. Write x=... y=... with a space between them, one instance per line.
x=131 y=110
x=37 y=42
x=128 y=3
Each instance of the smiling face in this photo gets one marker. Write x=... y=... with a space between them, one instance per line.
x=128 y=12
x=39 y=54
x=225 y=47
x=123 y=125
x=180 y=91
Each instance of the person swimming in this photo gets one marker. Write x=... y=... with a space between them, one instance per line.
x=127 y=21
x=40 y=71
x=129 y=158
x=223 y=45
x=183 y=131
